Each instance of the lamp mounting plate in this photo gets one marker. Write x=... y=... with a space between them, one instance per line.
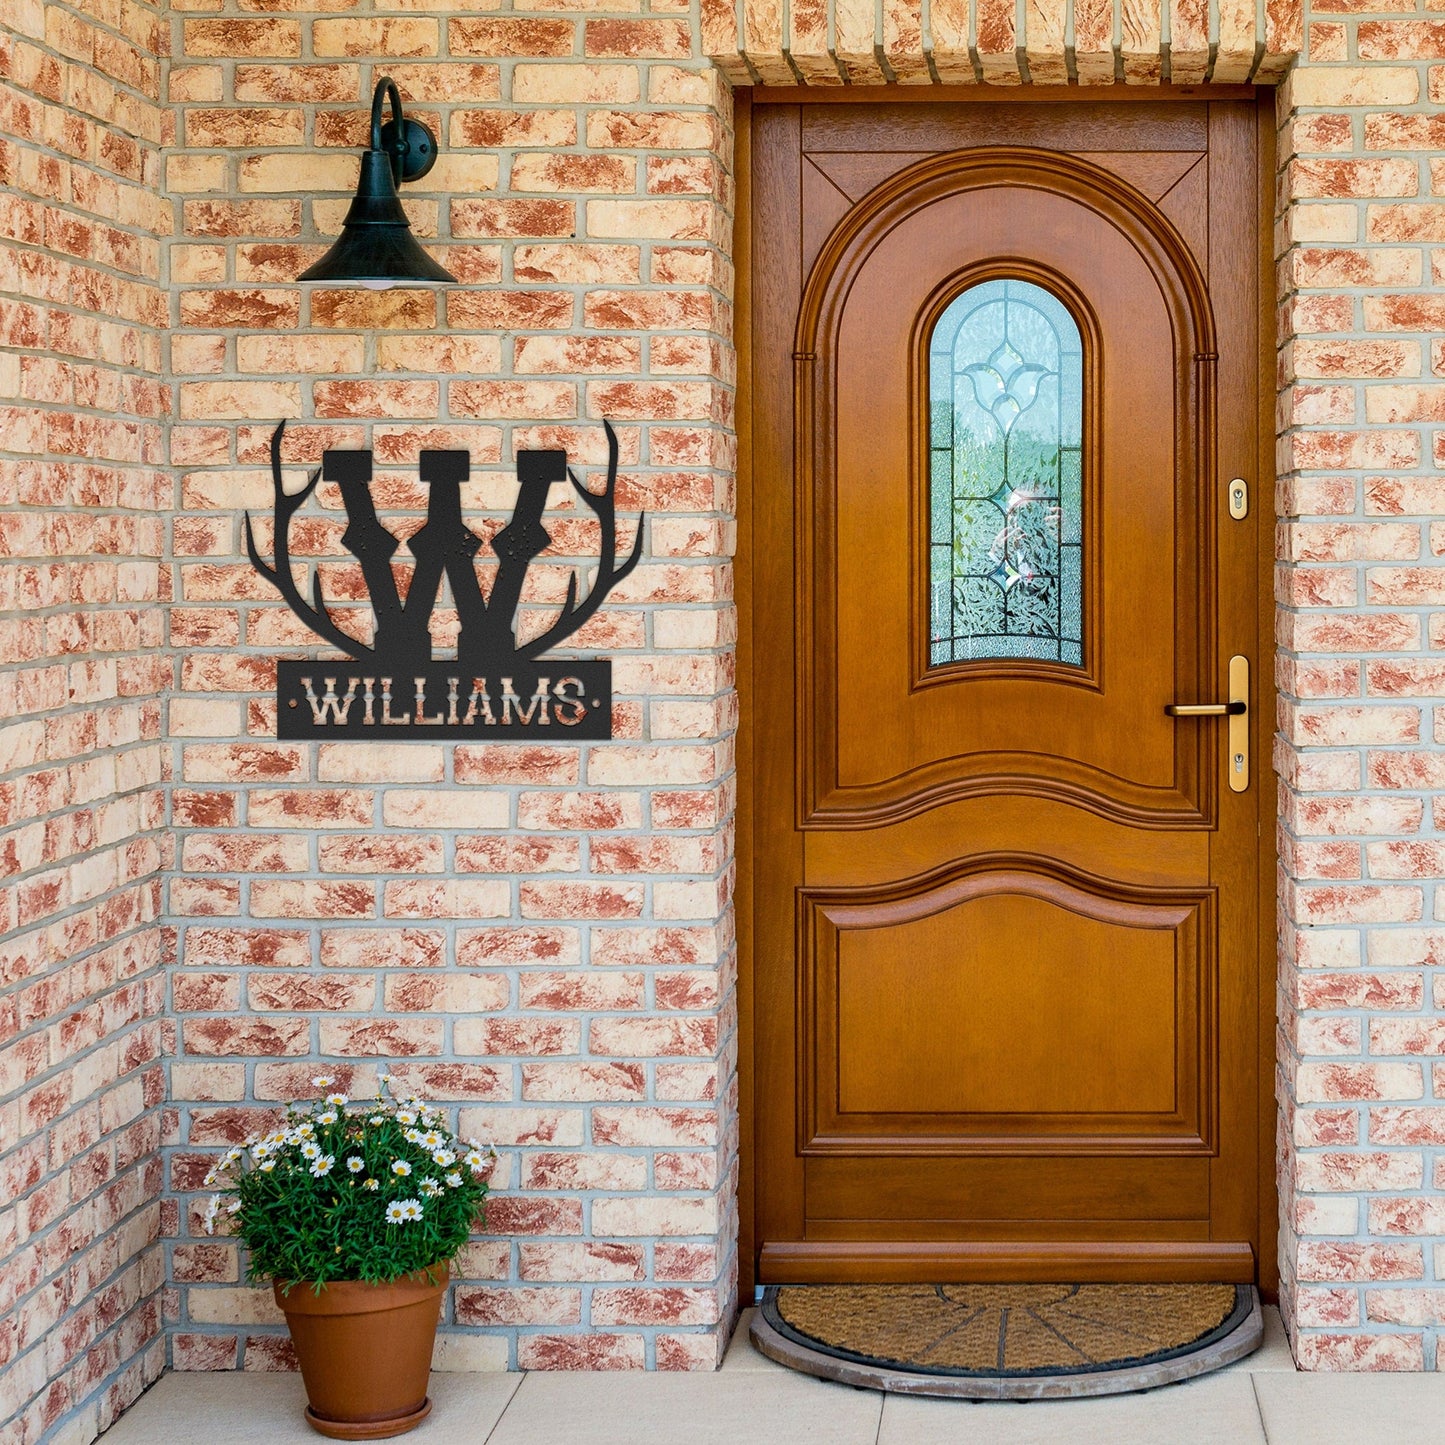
x=417 y=154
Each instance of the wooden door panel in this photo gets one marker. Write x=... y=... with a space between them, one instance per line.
x=1100 y=1192
x=834 y=180
x=1075 y=127
x=873 y=710
x=1003 y=906
x=855 y=173
x=1080 y=839
x=1152 y=173
x=1099 y=997
x=905 y=997
x=1184 y=1257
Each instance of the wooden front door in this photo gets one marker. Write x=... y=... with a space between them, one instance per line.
x=1004 y=370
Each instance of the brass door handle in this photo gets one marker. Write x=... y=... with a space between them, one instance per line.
x=1237 y=711
x=1206 y=709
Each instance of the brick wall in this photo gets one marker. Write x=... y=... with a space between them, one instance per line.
x=1361 y=242
x=541 y=937
x=537 y=935
x=81 y=676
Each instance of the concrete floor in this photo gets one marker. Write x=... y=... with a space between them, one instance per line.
x=1259 y=1401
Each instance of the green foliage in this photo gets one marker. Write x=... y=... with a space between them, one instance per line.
x=352 y=1191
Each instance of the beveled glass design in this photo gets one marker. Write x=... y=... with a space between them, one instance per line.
x=1005 y=421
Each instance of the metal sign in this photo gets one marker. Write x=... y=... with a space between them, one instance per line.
x=393 y=689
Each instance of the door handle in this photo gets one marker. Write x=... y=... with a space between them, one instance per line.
x=1206 y=709
x=1237 y=711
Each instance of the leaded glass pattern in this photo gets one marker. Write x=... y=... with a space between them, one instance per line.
x=1006 y=419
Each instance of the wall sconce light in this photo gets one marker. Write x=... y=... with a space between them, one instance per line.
x=376 y=248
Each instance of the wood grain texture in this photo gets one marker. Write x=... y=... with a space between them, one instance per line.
x=1063 y=123
x=1114 y=1057
x=906 y=1127
x=807 y=1262
x=872 y=757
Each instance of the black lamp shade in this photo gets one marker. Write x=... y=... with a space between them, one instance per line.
x=376 y=246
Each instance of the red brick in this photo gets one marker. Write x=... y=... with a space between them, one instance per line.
x=507 y=37
x=657 y=1306
x=1407 y=1126
x=513 y=218
x=525 y=1306
x=232 y=38
x=592 y=1351
x=1320 y=1260
x=599 y=1261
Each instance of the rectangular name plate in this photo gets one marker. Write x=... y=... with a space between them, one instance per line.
x=560 y=698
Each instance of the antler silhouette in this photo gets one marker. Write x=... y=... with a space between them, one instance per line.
x=609 y=574
x=317 y=618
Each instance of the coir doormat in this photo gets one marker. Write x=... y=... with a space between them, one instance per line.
x=1017 y=1341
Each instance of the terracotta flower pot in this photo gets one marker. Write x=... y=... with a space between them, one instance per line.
x=365 y=1352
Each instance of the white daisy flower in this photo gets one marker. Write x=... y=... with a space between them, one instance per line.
x=310 y=1150
x=407 y=1116
x=323 y=1166
x=413 y=1136
x=400 y=1168
x=211 y=1178
x=337 y=1101
x=306 y=1129
x=399 y=1211
x=267 y=1165
x=355 y=1164
x=454 y=1180
x=322 y=1081
x=329 y=1117
x=377 y=1119
x=372 y=1184
x=212 y=1210
x=445 y=1158
x=475 y=1159
x=430 y=1188
x=234 y=1207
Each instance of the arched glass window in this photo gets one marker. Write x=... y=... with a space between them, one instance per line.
x=1005 y=420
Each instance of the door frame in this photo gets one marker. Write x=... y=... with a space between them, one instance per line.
x=745 y=101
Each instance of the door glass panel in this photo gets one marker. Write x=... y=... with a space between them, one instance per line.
x=1006 y=421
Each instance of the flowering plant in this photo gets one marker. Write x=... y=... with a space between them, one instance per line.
x=352 y=1191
